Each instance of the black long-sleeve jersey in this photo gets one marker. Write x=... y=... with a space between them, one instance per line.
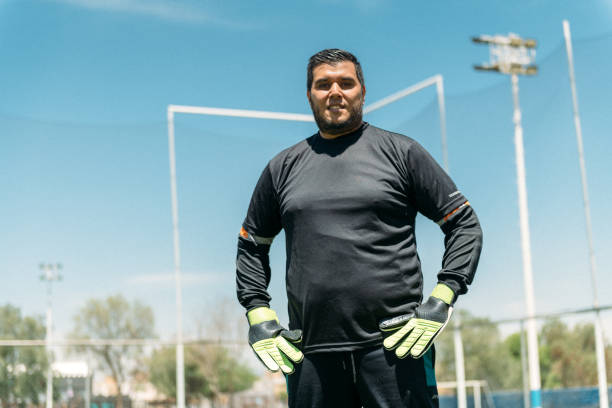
x=348 y=208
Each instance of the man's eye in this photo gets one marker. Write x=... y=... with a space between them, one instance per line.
x=348 y=84
x=324 y=85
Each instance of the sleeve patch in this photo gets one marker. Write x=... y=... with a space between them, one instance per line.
x=243 y=233
x=450 y=214
x=254 y=238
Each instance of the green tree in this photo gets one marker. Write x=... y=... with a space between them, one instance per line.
x=210 y=371
x=114 y=318
x=223 y=372
x=22 y=369
x=162 y=374
x=567 y=356
x=487 y=356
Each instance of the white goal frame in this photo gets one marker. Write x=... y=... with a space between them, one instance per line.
x=436 y=80
x=477 y=385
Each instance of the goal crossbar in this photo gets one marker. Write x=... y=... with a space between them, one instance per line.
x=302 y=117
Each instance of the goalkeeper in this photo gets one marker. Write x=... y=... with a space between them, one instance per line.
x=359 y=333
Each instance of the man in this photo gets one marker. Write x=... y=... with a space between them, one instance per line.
x=347 y=198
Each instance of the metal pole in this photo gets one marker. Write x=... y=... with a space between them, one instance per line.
x=532 y=337
x=50 y=274
x=459 y=357
x=599 y=341
x=442 y=107
x=477 y=399
x=49 y=338
x=180 y=359
x=88 y=387
x=524 y=368
x=400 y=94
x=459 y=365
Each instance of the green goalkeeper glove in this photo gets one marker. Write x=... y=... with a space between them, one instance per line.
x=273 y=344
x=415 y=332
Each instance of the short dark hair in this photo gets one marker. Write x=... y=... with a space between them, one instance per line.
x=332 y=56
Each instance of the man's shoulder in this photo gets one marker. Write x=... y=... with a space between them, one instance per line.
x=290 y=153
x=398 y=140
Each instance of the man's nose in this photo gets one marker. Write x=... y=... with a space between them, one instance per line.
x=334 y=89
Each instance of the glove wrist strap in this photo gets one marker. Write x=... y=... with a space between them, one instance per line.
x=261 y=314
x=444 y=293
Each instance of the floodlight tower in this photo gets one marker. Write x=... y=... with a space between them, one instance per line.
x=513 y=55
x=50 y=273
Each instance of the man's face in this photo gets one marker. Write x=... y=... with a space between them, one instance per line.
x=336 y=98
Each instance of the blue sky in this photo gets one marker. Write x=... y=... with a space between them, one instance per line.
x=83 y=139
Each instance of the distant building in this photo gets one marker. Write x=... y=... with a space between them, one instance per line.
x=73 y=383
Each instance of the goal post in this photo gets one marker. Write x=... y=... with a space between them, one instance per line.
x=478 y=388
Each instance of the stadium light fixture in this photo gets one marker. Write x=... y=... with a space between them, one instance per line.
x=514 y=56
x=508 y=55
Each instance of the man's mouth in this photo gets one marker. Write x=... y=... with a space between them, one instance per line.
x=335 y=108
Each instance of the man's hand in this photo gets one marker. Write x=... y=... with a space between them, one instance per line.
x=417 y=331
x=273 y=344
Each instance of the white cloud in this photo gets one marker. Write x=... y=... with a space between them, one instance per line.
x=167 y=278
x=163 y=9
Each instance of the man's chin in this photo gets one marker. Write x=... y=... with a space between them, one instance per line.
x=338 y=128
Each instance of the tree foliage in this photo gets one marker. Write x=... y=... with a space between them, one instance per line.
x=114 y=318
x=567 y=354
x=224 y=373
x=486 y=355
x=22 y=369
x=209 y=372
x=162 y=374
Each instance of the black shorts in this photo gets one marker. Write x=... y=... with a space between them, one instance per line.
x=369 y=378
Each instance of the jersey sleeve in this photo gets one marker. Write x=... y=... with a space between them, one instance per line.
x=432 y=191
x=259 y=228
x=435 y=195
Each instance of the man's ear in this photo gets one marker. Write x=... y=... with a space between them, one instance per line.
x=308 y=95
x=363 y=92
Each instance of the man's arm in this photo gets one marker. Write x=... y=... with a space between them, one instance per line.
x=259 y=228
x=463 y=243
x=435 y=195
x=252 y=271
x=275 y=346
x=414 y=333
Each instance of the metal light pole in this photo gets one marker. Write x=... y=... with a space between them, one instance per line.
x=514 y=56
x=49 y=275
x=599 y=341
x=524 y=369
